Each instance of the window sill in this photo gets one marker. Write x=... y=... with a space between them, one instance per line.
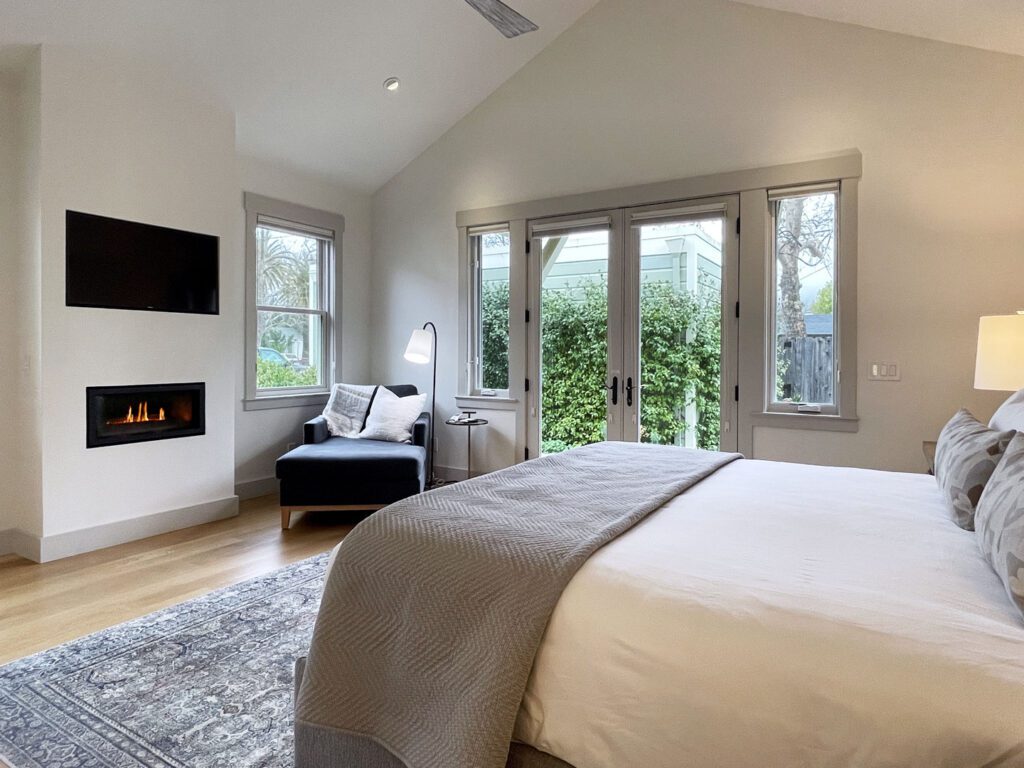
x=269 y=402
x=814 y=421
x=485 y=401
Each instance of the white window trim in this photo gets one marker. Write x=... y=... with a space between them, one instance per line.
x=303 y=220
x=473 y=347
x=772 y=405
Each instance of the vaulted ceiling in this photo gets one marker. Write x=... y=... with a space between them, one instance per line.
x=994 y=25
x=304 y=77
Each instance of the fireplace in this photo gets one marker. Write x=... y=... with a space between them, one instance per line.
x=117 y=415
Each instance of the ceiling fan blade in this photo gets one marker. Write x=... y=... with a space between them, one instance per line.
x=507 y=21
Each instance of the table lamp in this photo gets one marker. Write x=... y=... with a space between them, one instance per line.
x=1000 y=363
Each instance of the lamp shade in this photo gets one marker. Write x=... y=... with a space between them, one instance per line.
x=1000 y=362
x=421 y=346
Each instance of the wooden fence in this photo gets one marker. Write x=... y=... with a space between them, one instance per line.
x=805 y=368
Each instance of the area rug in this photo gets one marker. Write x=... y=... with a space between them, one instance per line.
x=204 y=683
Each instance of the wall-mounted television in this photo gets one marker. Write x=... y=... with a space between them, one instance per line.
x=115 y=264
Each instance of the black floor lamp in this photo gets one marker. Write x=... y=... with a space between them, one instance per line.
x=422 y=349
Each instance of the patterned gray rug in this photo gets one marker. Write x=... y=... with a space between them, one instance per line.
x=204 y=683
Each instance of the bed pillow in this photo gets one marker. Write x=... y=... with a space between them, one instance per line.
x=347 y=408
x=1000 y=521
x=965 y=458
x=391 y=417
x=1010 y=414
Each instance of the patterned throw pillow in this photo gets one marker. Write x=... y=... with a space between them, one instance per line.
x=1000 y=521
x=965 y=458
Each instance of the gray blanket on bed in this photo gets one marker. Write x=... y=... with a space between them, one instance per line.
x=435 y=607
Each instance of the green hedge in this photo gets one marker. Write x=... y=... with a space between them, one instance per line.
x=271 y=375
x=676 y=370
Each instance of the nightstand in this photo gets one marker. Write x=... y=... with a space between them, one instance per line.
x=928 y=447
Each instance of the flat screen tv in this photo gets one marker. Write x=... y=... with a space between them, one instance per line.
x=117 y=264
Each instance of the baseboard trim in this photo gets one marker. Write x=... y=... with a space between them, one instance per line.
x=252 y=489
x=120 y=532
x=14 y=541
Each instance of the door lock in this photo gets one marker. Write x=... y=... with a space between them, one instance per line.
x=615 y=390
x=629 y=392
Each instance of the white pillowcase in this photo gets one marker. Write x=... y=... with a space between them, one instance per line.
x=1010 y=414
x=345 y=413
x=391 y=417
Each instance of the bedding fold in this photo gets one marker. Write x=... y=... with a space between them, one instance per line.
x=435 y=607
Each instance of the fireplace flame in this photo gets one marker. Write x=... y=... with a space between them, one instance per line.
x=138 y=414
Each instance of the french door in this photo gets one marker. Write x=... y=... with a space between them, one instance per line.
x=632 y=332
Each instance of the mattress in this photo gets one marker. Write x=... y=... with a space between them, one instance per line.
x=784 y=615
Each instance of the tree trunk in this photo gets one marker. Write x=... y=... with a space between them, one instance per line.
x=791 y=308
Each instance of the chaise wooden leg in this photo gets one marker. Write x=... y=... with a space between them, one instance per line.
x=286 y=518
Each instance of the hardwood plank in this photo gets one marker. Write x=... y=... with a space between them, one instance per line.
x=43 y=605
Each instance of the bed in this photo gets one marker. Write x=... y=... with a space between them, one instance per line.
x=778 y=615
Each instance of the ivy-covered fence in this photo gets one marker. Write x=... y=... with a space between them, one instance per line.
x=681 y=343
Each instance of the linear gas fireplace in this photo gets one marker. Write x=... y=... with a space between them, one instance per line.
x=117 y=415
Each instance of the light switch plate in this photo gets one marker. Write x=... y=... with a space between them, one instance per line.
x=883 y=372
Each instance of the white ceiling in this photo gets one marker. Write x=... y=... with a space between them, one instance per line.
x=304 y=77
x=995 y=25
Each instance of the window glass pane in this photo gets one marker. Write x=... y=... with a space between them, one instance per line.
x=492 y=251
x=289 y=350
x=681 y=333
x=574 y=340
x=805 y=291
x=287 y=269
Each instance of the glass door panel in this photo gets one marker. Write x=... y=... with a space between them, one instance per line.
x=574 y=278
x=680 y=318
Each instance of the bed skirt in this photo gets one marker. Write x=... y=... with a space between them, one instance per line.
x=320 y=746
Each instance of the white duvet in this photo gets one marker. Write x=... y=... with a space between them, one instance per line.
x=784 y=615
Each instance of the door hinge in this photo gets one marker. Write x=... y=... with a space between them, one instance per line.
x=737 y=225
x=737 y=310
x=736 y=394
x=527 y=387
x=526 y=453
x=527 y=315
x=527 y=246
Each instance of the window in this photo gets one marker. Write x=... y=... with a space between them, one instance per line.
x=290 y=266
x=489 y=253
x=803 y=337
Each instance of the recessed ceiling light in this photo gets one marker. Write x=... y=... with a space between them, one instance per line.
x=392 y=84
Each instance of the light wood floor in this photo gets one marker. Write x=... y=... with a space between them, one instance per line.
x=43 y=605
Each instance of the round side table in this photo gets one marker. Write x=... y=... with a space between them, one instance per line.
x=468 y=424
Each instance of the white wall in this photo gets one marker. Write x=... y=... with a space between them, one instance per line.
x=119 y=143
x=20 y=450
x=262 y=436
x=647 y=90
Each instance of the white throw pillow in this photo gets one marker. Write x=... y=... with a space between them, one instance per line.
x=346 y=410
x=391 y=417
x=1010 y=414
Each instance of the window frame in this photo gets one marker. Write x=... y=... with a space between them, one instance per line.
x=803 y=408
x=474 y=331
x=328 y=229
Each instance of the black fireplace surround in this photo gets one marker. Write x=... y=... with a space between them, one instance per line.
x=136 y=414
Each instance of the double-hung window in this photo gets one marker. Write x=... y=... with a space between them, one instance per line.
x=291 y=266
x=804 y=301
x=489 y=254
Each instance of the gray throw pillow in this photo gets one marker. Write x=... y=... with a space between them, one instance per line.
x=965 y=458
x=1010 y=414
x=1000 y=521
x=346 y=410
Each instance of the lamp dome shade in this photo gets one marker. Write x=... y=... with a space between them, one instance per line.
x=1000 y=364
x=421 y=346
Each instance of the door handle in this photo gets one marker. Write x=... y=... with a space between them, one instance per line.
x=615 y=390
x=629 y=392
